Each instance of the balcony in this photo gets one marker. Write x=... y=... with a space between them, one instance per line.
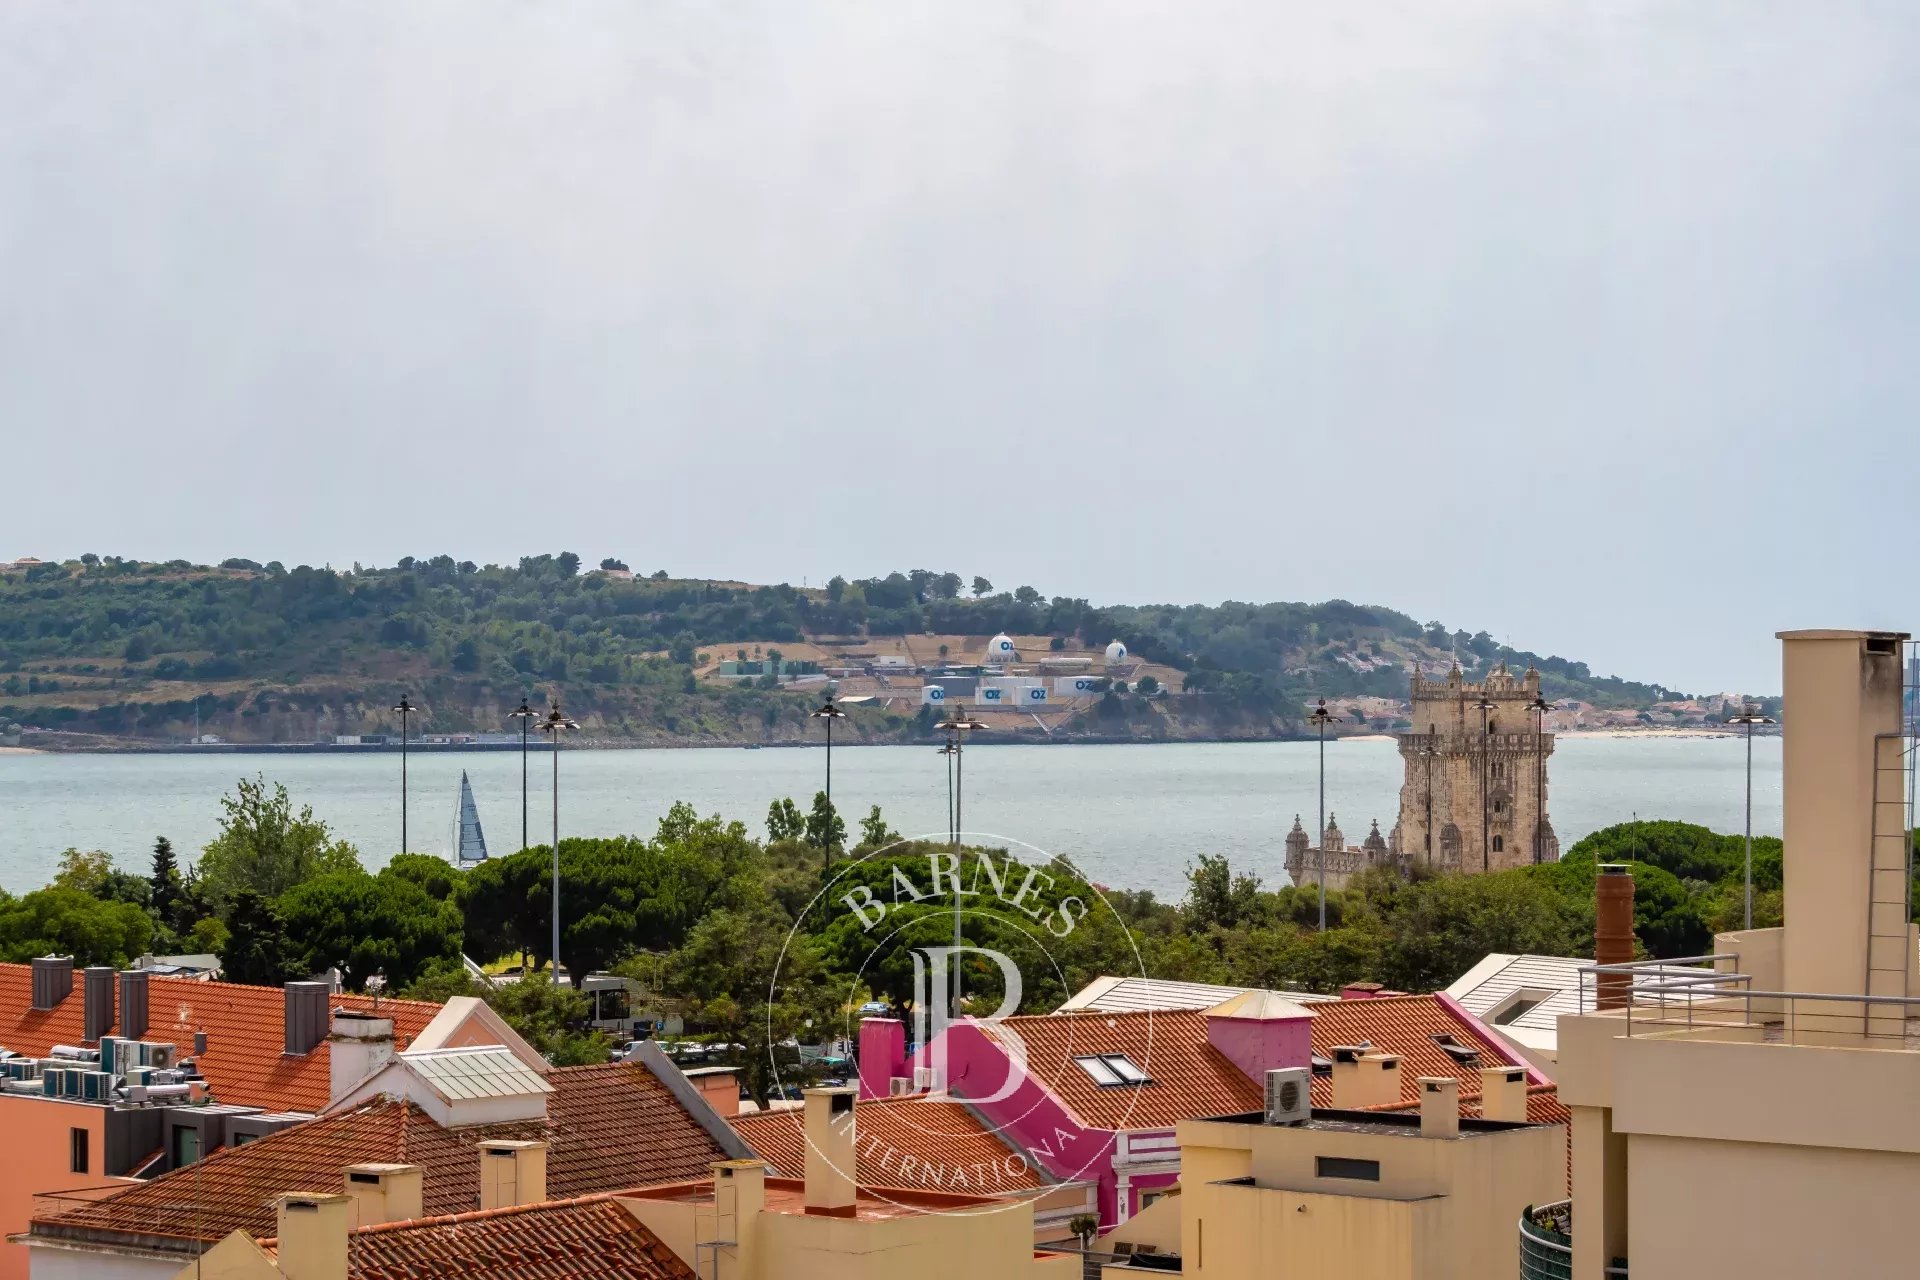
x=1546 y=1244
x=1705 y=997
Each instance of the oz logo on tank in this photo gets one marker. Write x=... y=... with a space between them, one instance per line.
x=962 y=944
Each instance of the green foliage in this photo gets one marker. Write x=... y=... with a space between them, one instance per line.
x=874 y=831
x=264 y=846
x=366 y=925
x=69 y=921
x=784 y=821
x=166 y=889
x=257 y=950
x=550 y=1018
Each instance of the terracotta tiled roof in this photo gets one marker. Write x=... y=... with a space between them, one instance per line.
x=245 y=1028
x=1192 y=1079
x=609 y=1127
x=901 y=1143
x=592 y=1238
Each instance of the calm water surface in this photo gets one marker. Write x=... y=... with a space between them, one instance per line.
x=1132 y=816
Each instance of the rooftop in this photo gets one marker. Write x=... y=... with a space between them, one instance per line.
x=789 y=1195
x=1391 y=1123
x=245 y=1029
x=591 y=1237
x=609 y=1127
x=902 y=1143
x=1132 y=995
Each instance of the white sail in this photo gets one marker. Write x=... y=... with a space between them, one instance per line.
x=470 y=844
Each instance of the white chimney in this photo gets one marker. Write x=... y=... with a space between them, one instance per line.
x=313 y=1236
x=512 y=1173
x=1363 y=1079
x=739 y=1197
x=1503 y=1094
x=359 y=1045
x=1439 y=1107
x=830 y=1152
x=384 y=1193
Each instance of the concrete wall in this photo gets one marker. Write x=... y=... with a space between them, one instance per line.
x=68 y=1264
x=39 y=1160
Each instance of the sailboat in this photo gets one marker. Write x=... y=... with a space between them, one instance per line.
x=469 y=843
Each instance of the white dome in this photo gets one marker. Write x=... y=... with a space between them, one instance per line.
x=1116 y=652
x=1000 y=648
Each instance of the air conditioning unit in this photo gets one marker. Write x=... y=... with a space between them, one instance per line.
x=157 y=1053
x=899 y=1087
x=925 y=1079
x=1289 y=1094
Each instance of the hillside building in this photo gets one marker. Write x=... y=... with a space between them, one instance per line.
x=1475 y=792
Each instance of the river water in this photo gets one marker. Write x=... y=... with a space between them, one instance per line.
x=1131 y=816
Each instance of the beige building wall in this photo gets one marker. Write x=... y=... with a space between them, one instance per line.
x=1456 y=762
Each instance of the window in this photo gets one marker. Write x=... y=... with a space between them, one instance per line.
x=242 y=1139
x=1109 y=1070
x=1497 y=767
x=1499 y=845
x=186 y=1145
x=1518 y=1005
x=1342 y=1167
x=78 y=1140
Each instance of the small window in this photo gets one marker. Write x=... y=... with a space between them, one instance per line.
x=1109 y=1070
x=1499 y=845
x=242 y=1139
x=1342 y=1167
x=78 y=1140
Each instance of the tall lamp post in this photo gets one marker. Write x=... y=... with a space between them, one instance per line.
x=1539 y=708
x=525 y=715
x=1320 y=716
x=405 y=709
x=950 y=750
x=958 y=724
x=1749 y=717
x=1485 y=707
x=828 y=712
x=554 y=724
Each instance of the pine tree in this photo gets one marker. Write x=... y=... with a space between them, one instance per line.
x=166 y=880
x=258 y=950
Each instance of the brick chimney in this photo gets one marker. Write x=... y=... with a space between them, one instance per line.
x=384 y=1193
x=1613 y=933
x=830 y=1152
x=1362 y=1079
x=1439 y=1107
x=883 y=1055
x=1503 y=1094
x=96 y=993
x=313 y=1235
x=133 y=1003
x=512 y=1173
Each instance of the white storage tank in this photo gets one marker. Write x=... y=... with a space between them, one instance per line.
x=1078 y=686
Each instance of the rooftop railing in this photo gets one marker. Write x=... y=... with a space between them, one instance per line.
x=1683 y=995
x=1546 y=1244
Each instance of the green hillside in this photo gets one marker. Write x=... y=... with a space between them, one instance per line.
x=130 y=650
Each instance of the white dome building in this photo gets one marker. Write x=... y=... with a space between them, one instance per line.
x=1116 y=654
x=1000 y=649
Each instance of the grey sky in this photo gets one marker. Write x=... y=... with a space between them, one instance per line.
x=1589 y=324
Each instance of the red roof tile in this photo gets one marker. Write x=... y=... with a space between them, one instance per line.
x=610 y=1127
x=585 y=1239
x=1190 y=1078
x=245 y=1028
x=902 y=1143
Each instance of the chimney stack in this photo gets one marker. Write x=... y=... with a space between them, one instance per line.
x=1363 y=1079
x=97 y=1009
x=1503 y=1094
x=739 y=1196
x=1613 y=933
x=1439 y=1107
x=512 y=1173
x=830 y=1152
x=133 y=1003
x=384 y=1193
x=1842 y=691
x=313 y=1236
x=360 y=1044
x=306 y=1016
x=52 y=981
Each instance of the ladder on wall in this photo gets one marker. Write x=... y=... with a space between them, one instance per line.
x=1890 y=957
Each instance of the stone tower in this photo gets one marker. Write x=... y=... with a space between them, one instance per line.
x=1475 y=790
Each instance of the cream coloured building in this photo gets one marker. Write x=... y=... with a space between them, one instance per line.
x=1754 y=1114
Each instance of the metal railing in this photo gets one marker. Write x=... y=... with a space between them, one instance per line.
x=1546 y=1244
x=1679 y=994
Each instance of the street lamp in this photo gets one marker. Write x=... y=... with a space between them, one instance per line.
x=1749 y=717
x=1485 y=707
x=958 y=724
x=1539 y=708
x=553 y=724
x=405 y=709
x=525 y=715
x=828 y=712
x=1320 y=716
x=950 y=750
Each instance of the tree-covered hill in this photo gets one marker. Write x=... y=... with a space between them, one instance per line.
x=136 y=650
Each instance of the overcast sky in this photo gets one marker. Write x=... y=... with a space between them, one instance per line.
x=1591 y=325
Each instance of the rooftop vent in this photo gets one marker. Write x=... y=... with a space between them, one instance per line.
x=133 y=1003
x=97 y=1018
x=52 y=981
x=306 y=1016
